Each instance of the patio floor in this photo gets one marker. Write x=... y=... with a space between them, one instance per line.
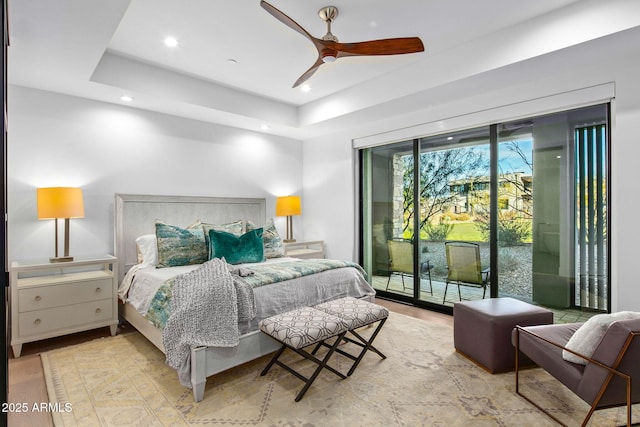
x=468 y=293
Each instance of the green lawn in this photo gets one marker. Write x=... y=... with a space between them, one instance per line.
x=465 y=231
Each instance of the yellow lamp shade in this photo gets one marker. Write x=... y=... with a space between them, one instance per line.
x=288 y=205
x=60 y=202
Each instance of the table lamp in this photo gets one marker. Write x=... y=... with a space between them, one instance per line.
x=60 y=203
x=288 y=206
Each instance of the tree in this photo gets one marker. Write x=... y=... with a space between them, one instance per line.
x=514 y=219
x=437 y=169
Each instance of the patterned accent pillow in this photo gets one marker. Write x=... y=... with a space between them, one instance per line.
x=236 y=228
x=180 y=246
x=273 y=247
x=237 y=250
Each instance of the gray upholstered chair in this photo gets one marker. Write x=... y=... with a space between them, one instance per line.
x=611 y=376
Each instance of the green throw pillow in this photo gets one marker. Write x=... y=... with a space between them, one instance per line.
x=180 y=246
x=236 y=249
x=273 y=247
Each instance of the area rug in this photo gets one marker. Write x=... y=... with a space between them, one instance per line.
x=123 y=381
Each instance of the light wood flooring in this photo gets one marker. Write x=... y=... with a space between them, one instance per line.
x=26 y=377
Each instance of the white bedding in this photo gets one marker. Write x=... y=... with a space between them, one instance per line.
x=142 y=284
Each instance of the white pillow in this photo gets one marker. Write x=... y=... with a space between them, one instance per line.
x=588 y=336
x=147 y=247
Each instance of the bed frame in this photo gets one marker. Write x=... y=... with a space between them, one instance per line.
x=135 y=216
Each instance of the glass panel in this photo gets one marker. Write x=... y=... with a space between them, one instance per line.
x=515 y=209
x=388 y=255
x=552 y=209
x=454 y=206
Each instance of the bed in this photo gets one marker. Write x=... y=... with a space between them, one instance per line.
x=136 y=215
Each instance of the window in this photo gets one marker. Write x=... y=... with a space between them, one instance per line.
x=532 y=193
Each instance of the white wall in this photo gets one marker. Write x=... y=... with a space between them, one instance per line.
x=59 y=140
x=612 y=59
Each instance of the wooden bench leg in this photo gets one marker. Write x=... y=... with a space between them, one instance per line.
x=322 y=364
x=366 y=346
x=273 y=360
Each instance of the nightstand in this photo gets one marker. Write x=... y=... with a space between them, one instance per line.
x=304 y=249
x=52 y=299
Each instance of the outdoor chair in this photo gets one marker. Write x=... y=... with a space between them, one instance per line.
x=401 y=262
x=464 y=268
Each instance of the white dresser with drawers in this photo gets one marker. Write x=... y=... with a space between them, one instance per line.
x=49 y=299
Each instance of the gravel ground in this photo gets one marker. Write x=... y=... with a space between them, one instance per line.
x=514 y=265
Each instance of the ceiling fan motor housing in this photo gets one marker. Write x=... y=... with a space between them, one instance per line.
x=329 y=55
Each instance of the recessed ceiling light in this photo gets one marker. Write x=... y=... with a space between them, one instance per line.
x=449 y=138
x=170 y=41
x=305 y=88
x=265 y=127
x=126 y=98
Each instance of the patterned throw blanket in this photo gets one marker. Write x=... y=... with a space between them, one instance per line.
x=206 y=306
x=267 y=273
x=254 y=275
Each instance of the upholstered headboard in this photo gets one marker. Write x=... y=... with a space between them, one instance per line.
x=136 y=215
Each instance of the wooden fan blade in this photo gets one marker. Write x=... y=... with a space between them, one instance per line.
x=304 y=77
x=397 y=46
x=280 y=16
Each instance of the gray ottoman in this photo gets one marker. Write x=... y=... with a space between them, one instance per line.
x=482 y=330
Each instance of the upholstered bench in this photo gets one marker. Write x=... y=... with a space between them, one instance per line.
x=482 y=330
x=357 y=313
x=301 y=328
x=315 y=325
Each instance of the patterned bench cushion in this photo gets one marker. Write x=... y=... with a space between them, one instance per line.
x=302 y=327
x=356 y=312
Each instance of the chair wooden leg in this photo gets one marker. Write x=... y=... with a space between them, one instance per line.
x=517 y=375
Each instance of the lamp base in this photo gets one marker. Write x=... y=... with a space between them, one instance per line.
x=288 y=240
x=61 y=259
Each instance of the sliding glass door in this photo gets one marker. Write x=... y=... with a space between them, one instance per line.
x=454 y=178
x=524 y=203
x=388 y=230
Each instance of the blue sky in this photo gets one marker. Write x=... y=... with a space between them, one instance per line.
x=511 y=161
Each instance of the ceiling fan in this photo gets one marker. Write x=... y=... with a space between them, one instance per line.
x=330 y=49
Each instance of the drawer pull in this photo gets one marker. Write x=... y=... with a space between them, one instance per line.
x=37 y=322
x=38 y=298
x=98 y=290
x=98 y=311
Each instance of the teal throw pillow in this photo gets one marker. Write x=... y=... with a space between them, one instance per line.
x=237 y=249
x=180 y=246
